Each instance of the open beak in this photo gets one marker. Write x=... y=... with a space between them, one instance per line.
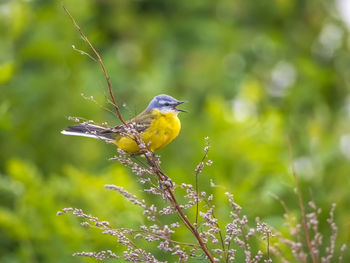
x=177 y=104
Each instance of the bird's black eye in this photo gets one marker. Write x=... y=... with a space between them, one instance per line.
x=166 y=104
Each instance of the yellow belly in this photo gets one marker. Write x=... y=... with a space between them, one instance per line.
x=163 y=129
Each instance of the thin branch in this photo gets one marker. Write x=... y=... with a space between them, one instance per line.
x=220 y=232
x=98 y=104
x=176 y=205
x=84 y=53
x=197 y=202
x=221 y=237
x=301 y=204
x=198 y=170
x=246 y=244
x=268 y=245
x=283 y=204
x=190 y=226
x=167 y=239
x=119 y=115
x=228 y=249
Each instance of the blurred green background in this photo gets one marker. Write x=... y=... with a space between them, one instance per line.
x=253 y=73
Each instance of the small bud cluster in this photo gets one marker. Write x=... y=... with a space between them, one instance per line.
x=132 y=198
x=75 y=119
x=330 y=249
x=312 y=223
x=200 y=166
x=123 y=158
x=102 y=255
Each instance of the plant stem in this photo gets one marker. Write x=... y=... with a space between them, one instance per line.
x=301 y=205
x=268 y=245
x=197 y=202
x=189 y=225
x=176 y=205
x=206 y=150
x=119 y=115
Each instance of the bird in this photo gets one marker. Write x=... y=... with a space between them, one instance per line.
x=157 y=125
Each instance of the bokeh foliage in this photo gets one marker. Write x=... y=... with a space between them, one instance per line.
x=253 y=72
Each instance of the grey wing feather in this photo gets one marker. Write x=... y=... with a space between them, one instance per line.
x=142 y=122
x=89 y=130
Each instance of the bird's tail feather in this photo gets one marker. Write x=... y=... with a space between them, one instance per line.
x=89 y=130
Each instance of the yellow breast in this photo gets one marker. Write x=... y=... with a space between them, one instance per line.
x=163 y=129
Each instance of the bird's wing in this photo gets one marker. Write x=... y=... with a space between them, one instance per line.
x=141 y=122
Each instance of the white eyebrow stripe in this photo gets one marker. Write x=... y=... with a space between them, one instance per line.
x=162 y=102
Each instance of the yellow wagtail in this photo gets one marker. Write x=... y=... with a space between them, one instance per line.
x=158 y=125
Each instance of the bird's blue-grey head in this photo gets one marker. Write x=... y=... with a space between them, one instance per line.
x=165 y=103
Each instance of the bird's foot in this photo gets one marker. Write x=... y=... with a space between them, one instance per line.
x=166 y=182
